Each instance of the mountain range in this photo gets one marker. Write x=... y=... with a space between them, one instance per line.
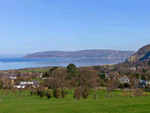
x=87 y=54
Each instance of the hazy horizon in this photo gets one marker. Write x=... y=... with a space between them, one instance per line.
x=21 y=55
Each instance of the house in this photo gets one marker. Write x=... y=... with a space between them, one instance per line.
x=112 y=74
x=145 y=81
x=124 y=80
x=135 y=68
x=23 y=84
x=39 y=75
x=13 y=76
x=141 y=85
x=46 y=78
x=8 y=79
x=7 y=82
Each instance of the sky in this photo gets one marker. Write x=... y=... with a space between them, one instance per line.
x=28 y=26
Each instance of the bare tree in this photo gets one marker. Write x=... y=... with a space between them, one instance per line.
x=20 y=93
x=112 y=83
x=14 y=91
x=134 y=78
x=2 y=94
x=84 y=79
x=57 y=80
x=7 y=92
x=41 y=91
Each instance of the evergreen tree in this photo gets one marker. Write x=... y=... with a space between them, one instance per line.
x=71 y=69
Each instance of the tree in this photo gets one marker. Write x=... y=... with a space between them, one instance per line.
x=48 y=73
x=19 y=74
x=63 y=93
x=144 y=74
x=41 y=91
x=71 y=70
x=57 y=80
x=86 y=93
x=20 y=92
x=102 y=76
x=112 y=83
x=32 y=90
x=1 y=84
x=147 y=76
x=149 y=63
x=84 y=79
x=54 y=68
x=48 y=94
x=14 y=91
x=134 y=78
x=56 y=93
x=2 y=95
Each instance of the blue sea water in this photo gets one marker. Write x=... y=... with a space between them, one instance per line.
x=18 y=63
x=10 y=60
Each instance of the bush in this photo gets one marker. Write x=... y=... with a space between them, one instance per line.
x=48 y=94
x=32 y=92
x=126 y=85
x=41 y=91
x=121 y=86
x=77 y=94
x=63 y=93
x=138 y=92
x=103 y=83
x=0 y=86
x=85 y=93
x=42 y=94
x=56 y=93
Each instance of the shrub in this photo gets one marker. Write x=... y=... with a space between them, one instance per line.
x=63 y=93
x=85 y=93
x=42 y=94
x=138 y=92
x=77 y=94
x=48 y=94
x=32 y=92
x=126 y=85
x=121 y=86
x=102 y=83
x=41 y=91
x=0 y=86
x=56 y=93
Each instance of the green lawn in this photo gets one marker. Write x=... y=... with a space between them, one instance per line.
x=68 y=105
x=43 y=70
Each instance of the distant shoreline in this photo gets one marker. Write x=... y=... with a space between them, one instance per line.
x=47 y=67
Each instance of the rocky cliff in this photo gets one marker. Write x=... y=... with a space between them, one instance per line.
x=142 y=54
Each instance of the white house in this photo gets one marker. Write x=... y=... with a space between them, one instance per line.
x=23 y=84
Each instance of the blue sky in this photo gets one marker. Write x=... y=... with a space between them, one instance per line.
x=28 y=26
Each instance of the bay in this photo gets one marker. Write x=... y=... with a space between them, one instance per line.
x=18 y=63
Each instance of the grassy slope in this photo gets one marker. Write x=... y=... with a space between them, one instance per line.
x=69 y=105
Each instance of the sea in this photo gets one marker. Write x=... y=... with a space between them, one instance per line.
x=18 y=63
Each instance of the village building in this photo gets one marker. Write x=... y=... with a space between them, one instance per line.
x=23 y=84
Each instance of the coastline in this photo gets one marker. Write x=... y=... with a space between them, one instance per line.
x=60 y=63
x=48 y=67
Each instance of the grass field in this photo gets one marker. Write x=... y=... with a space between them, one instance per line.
x=117 y=104
x=42 y=70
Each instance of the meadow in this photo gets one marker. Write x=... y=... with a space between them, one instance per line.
x=117 y=104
